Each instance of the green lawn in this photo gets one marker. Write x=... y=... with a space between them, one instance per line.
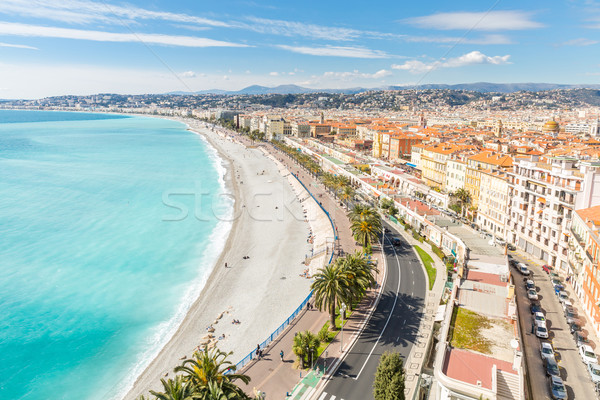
x=428 y=262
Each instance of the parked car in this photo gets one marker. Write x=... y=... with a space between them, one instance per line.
x=523 y=269
x=551 y=367
x=587 y=354
x=532 y=294
x=556 y=282
x=566 y=304
x=594 y=370
x=539 y=317
x=513 y=263
x=558 y=289
x=535 y=308
x=546 y=268
x=541 y=331
x=563 y=296
x=574 y=328
x=546 y=350
x=500 y=242
x=571 y=315
x=529 y=284
x=511 y=247
x=557 y=388
x=580 y=339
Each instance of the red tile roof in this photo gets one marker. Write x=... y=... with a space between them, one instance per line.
x=467 y=366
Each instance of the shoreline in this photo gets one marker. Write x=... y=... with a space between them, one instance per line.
x=248 y=299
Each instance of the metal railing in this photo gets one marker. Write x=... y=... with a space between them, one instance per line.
x=252 y=355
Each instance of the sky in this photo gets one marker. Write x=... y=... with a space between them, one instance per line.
x=80 y=47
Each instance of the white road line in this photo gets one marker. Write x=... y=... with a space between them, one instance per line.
x=332 y=398
x=323 y=395
x=388 y=319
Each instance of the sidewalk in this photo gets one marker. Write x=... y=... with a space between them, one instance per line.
x=277 y=378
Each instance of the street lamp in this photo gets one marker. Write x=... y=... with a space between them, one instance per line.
x=342 y=333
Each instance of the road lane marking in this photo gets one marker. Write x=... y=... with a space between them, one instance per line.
x=323 y=396
x=388 y=319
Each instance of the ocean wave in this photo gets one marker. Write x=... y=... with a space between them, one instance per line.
x=165 y=331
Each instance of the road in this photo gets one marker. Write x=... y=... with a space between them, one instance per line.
x=392 y=327
x=572 y=369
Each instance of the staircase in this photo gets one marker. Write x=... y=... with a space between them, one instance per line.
x=508 y=386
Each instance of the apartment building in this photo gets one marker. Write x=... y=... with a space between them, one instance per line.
x=487 y=160
x=434 y=162
x=493 y=202
x=415 y=156
x=273 y=126
x=401 y=145
x=455 y=175
x=300 y=129
x=584 y=260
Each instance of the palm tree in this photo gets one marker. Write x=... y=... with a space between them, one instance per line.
x=366 y=229
x=359 y=273
x=357 y=212
x=347 y=194
x=465 y=198
x=177 y=389
x=208 y=367
x=329 y=288
x=305 y=345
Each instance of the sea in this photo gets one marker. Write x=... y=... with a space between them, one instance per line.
x=109 y=227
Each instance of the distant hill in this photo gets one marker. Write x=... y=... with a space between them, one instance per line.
x=483 y=87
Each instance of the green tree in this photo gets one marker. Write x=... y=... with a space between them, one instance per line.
x=359 y=274
x=366 y=230
x=464 y=197
x=178 y=389
x=347 y=194
x=207 y=369
x=305 y=346
x=389 y=378
x=330 y=287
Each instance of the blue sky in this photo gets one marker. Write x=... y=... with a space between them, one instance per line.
x=56 y=47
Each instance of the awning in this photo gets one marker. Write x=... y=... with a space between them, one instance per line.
x=411 y=165
x=541 y=200
x=540 y=211
x=566 y=234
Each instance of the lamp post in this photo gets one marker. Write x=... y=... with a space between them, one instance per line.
x=343 y=309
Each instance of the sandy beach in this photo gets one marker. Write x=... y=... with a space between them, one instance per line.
x=271 y=228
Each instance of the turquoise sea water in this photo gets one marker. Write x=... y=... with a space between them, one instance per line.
x=97 y=271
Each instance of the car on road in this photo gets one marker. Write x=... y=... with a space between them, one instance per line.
x=513 y=263
x=539 y=317
x=587 y=354
x=523 y=269
x=594 y=370
x=551 y=366
x=541 y=331
x=546 y=268
x=532 y=294
x=535 y=308
x=546 y=350
x=511 y=247
x=571 y=315
x=500 y=242
x=566 y=304
x=396 y=241
x=563 y=296
x=557 y=388
x=580 y=339
x=529 y=284
x=574 y=328
x=557 y=282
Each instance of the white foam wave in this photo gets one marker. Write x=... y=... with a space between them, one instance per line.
x=165 y=331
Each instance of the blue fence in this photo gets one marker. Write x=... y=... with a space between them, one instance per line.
x=252 y=355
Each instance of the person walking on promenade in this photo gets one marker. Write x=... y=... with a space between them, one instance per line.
x=281 y=355
x=258 y=351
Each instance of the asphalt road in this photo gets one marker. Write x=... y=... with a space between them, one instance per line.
x=392 y=327
x=572 y=370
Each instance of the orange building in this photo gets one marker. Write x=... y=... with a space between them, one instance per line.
x=584 y=257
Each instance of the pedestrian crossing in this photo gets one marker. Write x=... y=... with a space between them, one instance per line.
x=324 y=396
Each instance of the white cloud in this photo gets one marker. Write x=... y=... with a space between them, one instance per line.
x=274 y=73
x=15 y=29
x=85 y=12
x=349 y=75
x=472 y=58
x=188 y=74
x=18 y=46
x=292 y=28
x=483 y=40
x=336 y=51
x=579 y=42
x=480 y=21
